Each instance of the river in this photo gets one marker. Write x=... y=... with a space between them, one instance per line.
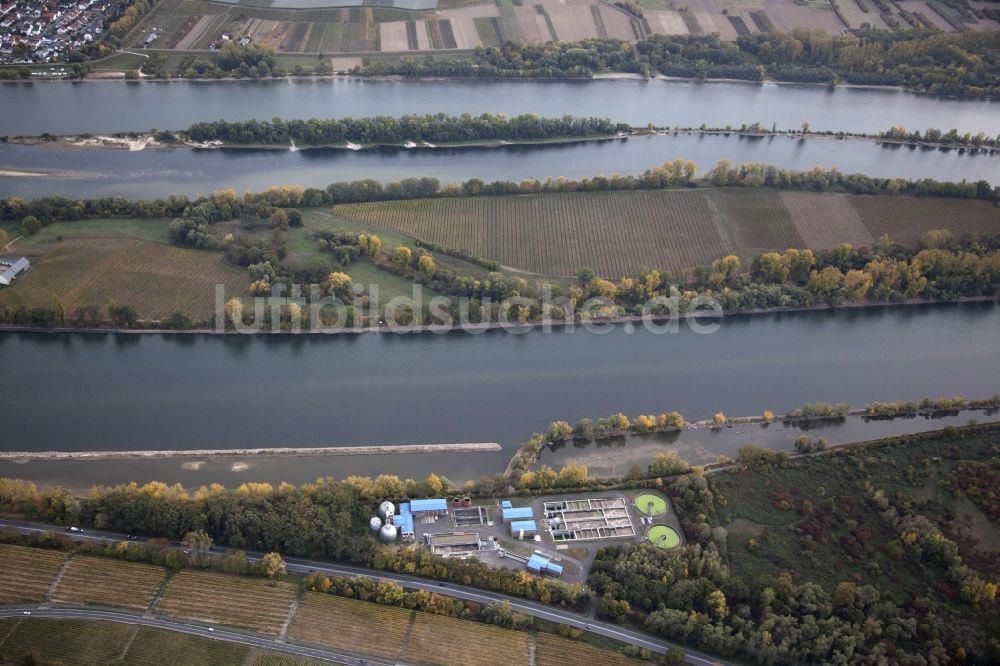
x=115 y=106
x=79 y=392
x=83 y=172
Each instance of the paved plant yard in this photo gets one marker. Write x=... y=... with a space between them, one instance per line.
x=571 y=528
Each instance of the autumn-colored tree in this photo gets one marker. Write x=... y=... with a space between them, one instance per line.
x=426 y=265
x=401 y=257
x=234 y=311
x=719 y=419
x=826 y=283
x=340 y=283
x=573 y=475
x=273 y=566
x=716 y=604
x=729 y=266
x=602 y=288
x=619 y=422
x=435 y=486
x=856 y=285
x=772 y=267
x=558 y=431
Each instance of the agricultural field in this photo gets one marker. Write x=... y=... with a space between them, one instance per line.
x=153 y=278
x=348 y=624
x=437 y=639
x=69 y=642
x=64 y=642
x=26 y=574
x=554 y=651
x=159 y=647
x=827 y=226
x=240 y=602
x=762 y=220
x=905 y=218
x=107 y=582
x=263 y=658
x=621 y=233
x=558 y=234
x=194 y=25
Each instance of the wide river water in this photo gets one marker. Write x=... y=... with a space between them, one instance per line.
x=81 y=392
x=66 y=108
x=82 y=172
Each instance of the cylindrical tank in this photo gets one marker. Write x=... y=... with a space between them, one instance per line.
x=467 y=501
x=385 y=509
x=387 y=533
x=375 y=523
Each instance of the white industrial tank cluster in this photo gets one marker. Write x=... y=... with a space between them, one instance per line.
x=383 y=522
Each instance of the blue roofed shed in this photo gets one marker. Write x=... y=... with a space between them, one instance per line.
x=536 y=563
x=523 y=528
x=429 y=506
x=518 y=513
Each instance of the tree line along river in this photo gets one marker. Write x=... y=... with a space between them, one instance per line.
x=78 y=392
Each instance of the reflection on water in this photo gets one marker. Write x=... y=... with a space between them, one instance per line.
x=110 y=172
x=59 y=108
x=78 y=392
x=613 y=457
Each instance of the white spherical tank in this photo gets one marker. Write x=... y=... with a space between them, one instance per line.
x=375 y=523
x=387 y=533
x=385 y=509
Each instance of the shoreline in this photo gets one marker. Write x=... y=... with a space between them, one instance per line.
x=597 y=76
x=145 y=141
x=519 y=328
x=383 y=449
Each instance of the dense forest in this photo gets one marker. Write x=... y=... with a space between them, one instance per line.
x=871 y=554
x=438 y=127
x=964 y=62
x=551 y=60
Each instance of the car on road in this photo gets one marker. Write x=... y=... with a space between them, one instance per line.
x=26 y=612
x=73 y=529
x=211 y=628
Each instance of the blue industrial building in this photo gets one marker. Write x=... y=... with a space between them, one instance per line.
x=425 y=506
x=541 y=565
x=517 y=513
x=523 y=529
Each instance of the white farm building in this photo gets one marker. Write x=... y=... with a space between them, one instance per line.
x=11 y=268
